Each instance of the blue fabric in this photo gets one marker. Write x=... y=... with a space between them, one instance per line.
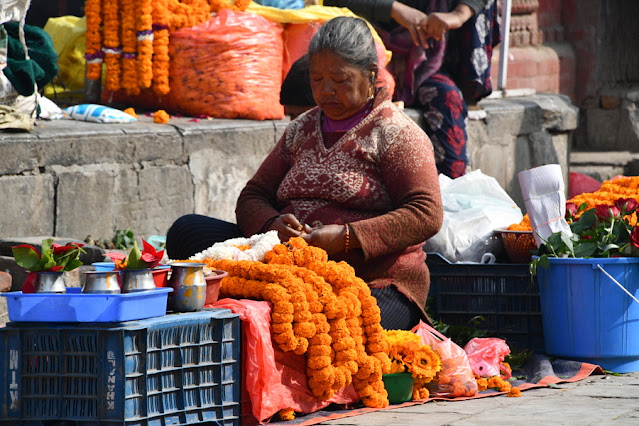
x=282 y=4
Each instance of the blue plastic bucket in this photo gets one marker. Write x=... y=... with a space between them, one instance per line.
x=586 y=316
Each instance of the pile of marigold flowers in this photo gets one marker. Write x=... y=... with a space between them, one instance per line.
x=408 y=354
x=322 y=310
x=610 y=191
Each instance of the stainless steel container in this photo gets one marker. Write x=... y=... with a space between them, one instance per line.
x=137 y=280
x=101 y=282
x=49 y=282
x=189 y=287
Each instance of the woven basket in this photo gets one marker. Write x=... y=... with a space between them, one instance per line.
x=517 y=244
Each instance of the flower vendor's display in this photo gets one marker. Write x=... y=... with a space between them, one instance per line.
x=132 y=38
x=320 y=309
x=610 y=190
x=602 y=231
x=408 y=354
x=148 y=258
x=53 y=258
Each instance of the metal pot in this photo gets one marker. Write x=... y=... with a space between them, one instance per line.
x=138 y=280
x=101 y=282
x=49 y=282
x=189 y=287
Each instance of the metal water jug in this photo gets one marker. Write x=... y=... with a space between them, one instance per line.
x=49 y=282
x=137 y=280
x=101 y=282
x=189 y=287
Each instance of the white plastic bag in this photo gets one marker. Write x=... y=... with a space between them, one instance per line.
x=474 y=206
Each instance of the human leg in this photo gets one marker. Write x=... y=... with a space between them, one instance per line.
x=444 y=113
x=398 y=312
x=193 y=233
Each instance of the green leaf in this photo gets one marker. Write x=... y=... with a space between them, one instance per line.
x=585 y=249
x=27 y=258
x=554 y=386
x=72 y=264
x=135 y=258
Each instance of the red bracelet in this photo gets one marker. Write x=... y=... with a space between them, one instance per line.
x=347 y=238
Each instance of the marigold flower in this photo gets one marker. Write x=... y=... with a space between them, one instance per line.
x=514 y=392
x=161 y=117
x=287 y=414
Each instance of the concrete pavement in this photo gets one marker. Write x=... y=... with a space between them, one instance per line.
x=598 y=399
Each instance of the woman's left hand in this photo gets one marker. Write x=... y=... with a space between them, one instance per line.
x=331 y=238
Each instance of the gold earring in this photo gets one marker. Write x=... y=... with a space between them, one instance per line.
x=371 y=92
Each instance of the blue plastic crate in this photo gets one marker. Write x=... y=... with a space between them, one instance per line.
x=75 y=306
x=502 y=293
x=172 y=370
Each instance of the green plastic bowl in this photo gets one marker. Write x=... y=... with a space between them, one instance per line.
x=399 y=387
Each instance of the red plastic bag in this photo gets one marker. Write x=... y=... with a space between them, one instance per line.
x=580 y=183
x=456 y=379
x=228 y=67
x=271 y=378
x=486 y=355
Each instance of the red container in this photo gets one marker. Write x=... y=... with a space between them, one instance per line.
x=161 y=276
x=213 y=285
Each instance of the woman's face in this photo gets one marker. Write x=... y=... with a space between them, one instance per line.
x=340 y=89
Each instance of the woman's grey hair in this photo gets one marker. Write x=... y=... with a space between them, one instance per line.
x=348 y=37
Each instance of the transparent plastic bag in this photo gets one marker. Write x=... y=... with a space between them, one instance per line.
x=486 y=355
x=456 y=379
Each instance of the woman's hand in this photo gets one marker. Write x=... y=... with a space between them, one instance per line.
x=331 y=238
x=287 y=226
x=439 y=23
x=414 y=20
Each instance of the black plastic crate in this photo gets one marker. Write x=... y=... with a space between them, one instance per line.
x=171 y=370
x=502 y=293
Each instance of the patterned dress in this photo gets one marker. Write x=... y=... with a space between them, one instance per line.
x=380 y=177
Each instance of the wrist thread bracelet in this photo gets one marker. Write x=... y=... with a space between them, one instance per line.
x=347 y=237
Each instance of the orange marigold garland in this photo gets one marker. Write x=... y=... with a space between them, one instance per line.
x=93 y=51
x=111 y=48
x=238 y=5
x=144 y=37
x=129 y=48
x=161 y=47
x=312 y=296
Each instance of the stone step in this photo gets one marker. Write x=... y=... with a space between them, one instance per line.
x=605 y=165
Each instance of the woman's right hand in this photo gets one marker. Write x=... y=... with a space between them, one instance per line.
x=287 y=226
x=414 y=20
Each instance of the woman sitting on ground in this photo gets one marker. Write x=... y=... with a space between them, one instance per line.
x=354 y=176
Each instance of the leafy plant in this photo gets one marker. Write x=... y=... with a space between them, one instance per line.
x=148 y=258
x=603 y=231
x=53 y=257
x=124 y=239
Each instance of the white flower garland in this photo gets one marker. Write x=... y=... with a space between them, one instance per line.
x=260 y=245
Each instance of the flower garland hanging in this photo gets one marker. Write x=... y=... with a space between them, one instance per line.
x=129 y=48
x=144 y=37
x=93 y=51
x=111 y=47
x=161 y=57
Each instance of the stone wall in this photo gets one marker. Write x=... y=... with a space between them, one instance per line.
x=72 y=179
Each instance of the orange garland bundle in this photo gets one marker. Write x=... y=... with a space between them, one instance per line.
x=111 y=48
x=129 y=48
x=93 y=52
x=320 y=309
x=161 y=47
x=145 y=43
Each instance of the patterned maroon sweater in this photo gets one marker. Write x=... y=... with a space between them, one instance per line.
x=380 y=177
